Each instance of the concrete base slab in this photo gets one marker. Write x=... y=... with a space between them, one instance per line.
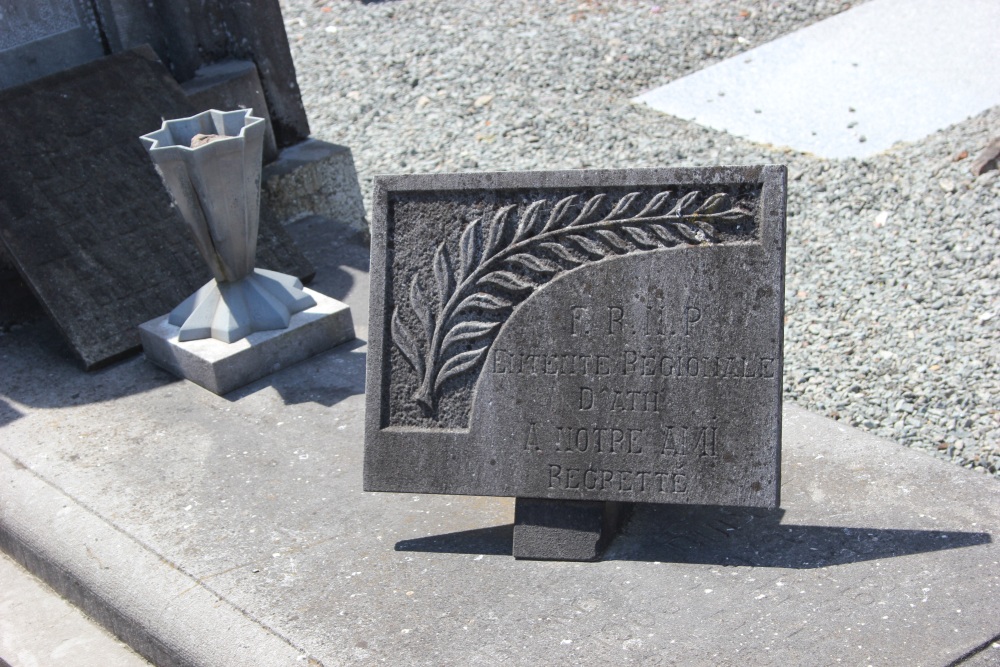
x=149 y=603
x=223 y=367
x=853 y=84
x=234 y=531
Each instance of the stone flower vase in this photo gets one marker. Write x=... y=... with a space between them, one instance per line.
x=216 y=187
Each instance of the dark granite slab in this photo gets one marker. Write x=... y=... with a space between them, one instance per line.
x=586 y=335
x=83 y=214
x=45 y=36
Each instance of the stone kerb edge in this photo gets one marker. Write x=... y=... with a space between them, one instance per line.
x=164 y=614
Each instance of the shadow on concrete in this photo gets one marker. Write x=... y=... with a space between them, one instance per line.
x=493 y=541
x=726 y=536
x=338 y=256
x=41 y=371
x=758 y=538
x=8 y=413
x=342 y=260
x=326 y=379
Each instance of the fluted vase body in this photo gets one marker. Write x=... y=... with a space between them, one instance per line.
x=216 y=187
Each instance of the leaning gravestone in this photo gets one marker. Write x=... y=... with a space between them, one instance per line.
x=83 y=215
x=579 y=339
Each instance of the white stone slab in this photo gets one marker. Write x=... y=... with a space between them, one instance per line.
x=853 y=84
x=222 y=367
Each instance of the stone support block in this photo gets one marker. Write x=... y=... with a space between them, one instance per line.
x=565 y=529
x=314 y=177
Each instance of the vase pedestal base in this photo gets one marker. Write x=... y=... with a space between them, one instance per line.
x=223 y=367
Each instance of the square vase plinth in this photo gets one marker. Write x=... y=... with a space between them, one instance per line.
x=222 y=367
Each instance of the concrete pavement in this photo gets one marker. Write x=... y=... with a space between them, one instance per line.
x=208 y=530
x=854 y=84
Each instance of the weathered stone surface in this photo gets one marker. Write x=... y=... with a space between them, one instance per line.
x=606 y=335
x=41 y=37
x=133 y=496
x=987 y=158
x=45 y=36
x=312 y=178
x=83 y=214
x=189 y=34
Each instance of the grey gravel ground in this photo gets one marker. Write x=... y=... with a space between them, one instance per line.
x=893 y=297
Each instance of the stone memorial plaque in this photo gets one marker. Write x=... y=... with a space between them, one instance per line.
x=578 y=335
x=83 y=214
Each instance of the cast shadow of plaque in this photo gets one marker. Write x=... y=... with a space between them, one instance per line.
x=333 y=251
x=492 y=541
x=8 y=413
x=726 y=536
x=339 y=373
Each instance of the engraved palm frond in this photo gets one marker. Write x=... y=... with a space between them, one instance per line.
x=502 y=261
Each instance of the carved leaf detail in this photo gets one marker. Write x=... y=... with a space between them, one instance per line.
x=421 y=308
x=502 y=261
x=442 y=273
x=691 y=233
x=683 y=203
x=587 y=245
x=713 y=203
x=528 y=221
x=534 y=263
x=469 y=249
x=731 y=215
x=562 y=253
x=706 y=229
x=407 y=344
x=483 y=301
x=664 y=233
x=509 y=281
x=588 y=210
x=655 y=204
x=622 y=205
x=468 y=331
x=640 y=237
x=559 y=213
x=497 y=229
x=614 y=241
x=461 y=363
